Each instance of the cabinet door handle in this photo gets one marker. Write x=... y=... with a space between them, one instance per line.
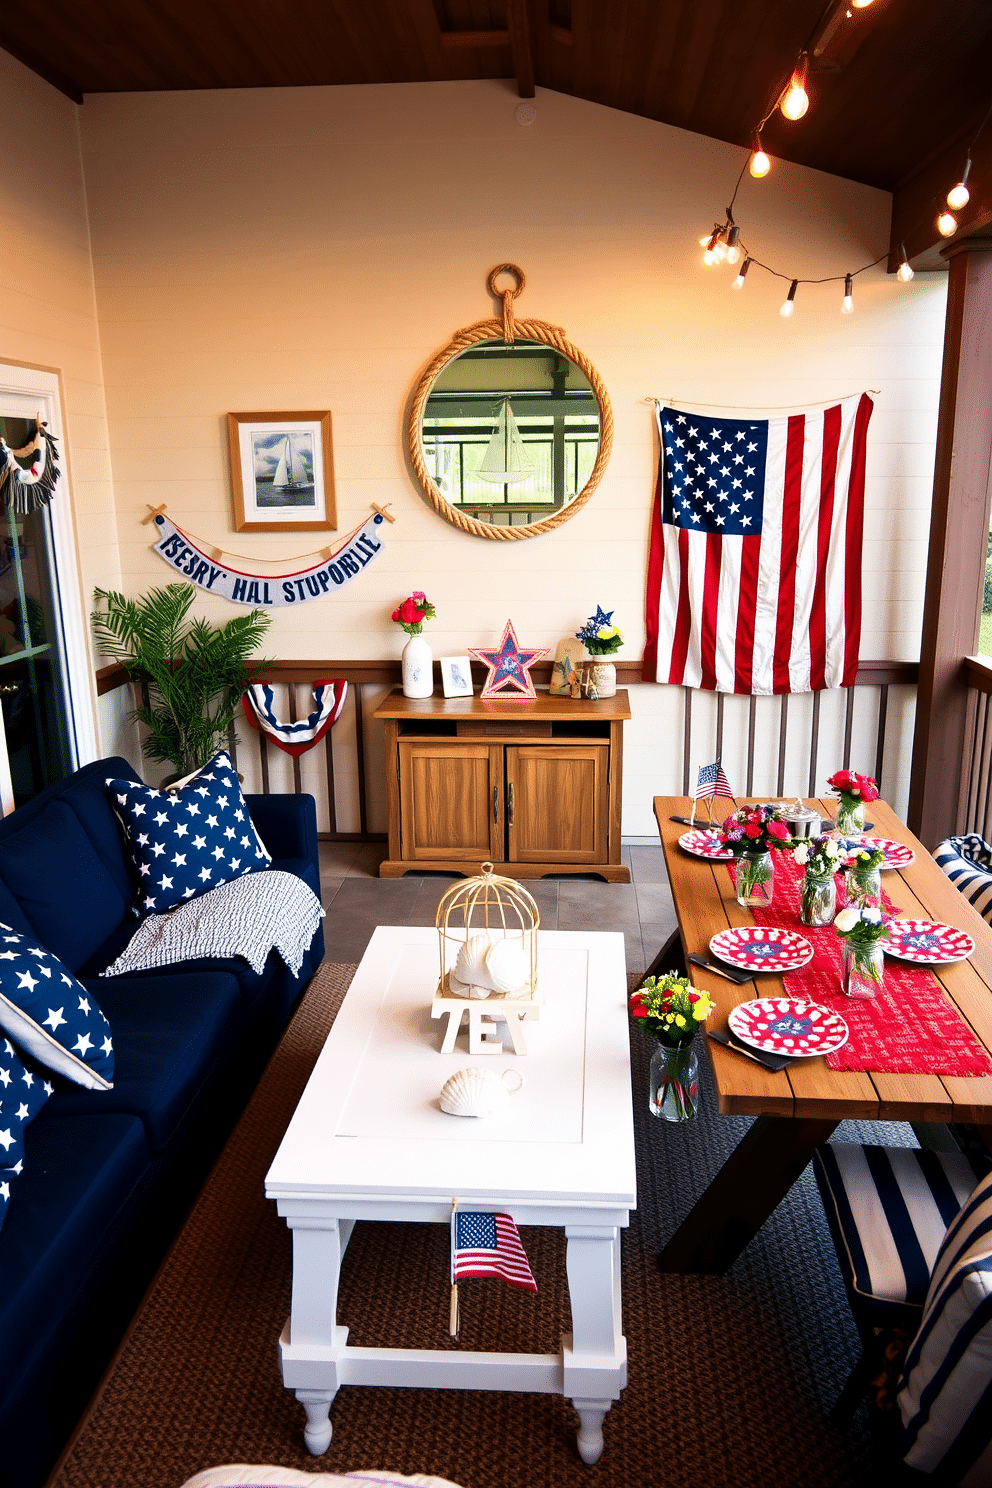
x=495 y=803
x=509 y=804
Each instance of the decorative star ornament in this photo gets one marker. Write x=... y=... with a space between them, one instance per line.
x=509 y=667
x=602 y=617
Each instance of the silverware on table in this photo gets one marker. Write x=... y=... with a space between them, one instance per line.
x=739 y=977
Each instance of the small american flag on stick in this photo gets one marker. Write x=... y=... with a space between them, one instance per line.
x=713 y=782
x=486 y=1245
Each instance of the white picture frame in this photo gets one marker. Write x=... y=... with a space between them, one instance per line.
x=456 y=676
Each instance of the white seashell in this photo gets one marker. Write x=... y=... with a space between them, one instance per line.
x=470 y=964
x=507 y=965
x=477 y=1092
x=466 y=989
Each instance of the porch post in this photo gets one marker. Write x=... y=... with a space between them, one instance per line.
x=959 y=526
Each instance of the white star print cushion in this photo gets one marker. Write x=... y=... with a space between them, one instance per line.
x=23 y=1092
x=186 y=842
x=51 y=1016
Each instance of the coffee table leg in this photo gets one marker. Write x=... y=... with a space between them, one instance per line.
x=312 y=1340
x=595 y=1357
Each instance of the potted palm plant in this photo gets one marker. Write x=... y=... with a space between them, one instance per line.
x=190 y=674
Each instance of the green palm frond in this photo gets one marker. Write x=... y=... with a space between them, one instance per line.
x=191 y=673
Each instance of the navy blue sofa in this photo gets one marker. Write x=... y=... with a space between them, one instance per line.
x=93 y=1157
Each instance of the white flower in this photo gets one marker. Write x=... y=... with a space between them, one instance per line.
x=847 y=919
x=802 y=854
x=872 y=915
x=831 y=849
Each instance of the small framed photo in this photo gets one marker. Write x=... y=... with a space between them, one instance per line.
x=282 y=472
x=456 y=676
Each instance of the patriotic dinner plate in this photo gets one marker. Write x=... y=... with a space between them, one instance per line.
x=896 y=855
x=704 y=844
x=927 y=943
x=757 y=948
x=789 y=1025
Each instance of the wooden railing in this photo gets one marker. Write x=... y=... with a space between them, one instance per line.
x=975 y=794
x=344 y=772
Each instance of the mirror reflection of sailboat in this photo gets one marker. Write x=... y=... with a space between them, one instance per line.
x=506 y=459
x=291 y=472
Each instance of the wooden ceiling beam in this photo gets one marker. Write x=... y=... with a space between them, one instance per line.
x=917 y=203
x=518 y=24
x=39 y=64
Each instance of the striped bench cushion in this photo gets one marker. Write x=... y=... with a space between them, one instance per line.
x=967 y=861
x=945 y=1393
x=889 y=1209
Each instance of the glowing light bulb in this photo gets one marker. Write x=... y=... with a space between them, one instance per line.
x=710 y=258
x=904 y=271
x=704 y=241
x=847 y=303
x=733 y=244
x=959 y=195
x=795 y=100
x=720 y=251
x=760 y=164
x=739 y=281
x=861 y=4
x=947 y=224
x=711 y=255
x=789 y=304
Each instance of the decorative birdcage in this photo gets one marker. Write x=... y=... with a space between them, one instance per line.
x=487 y=940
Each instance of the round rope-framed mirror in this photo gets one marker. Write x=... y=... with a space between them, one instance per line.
x=510 y=427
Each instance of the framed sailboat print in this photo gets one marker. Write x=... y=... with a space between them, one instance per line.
x=282 y=471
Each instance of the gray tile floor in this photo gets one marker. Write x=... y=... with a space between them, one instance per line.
x=357 y=900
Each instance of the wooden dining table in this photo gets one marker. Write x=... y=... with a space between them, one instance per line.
x=798 y=1108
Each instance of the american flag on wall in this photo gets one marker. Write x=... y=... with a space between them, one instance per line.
x=488 y=1245
x=754 y=573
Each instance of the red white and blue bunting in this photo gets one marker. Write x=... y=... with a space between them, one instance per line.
x=269 y=591
x=29 y=488
x=295 y=738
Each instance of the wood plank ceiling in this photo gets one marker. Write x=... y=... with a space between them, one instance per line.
x=898 y=88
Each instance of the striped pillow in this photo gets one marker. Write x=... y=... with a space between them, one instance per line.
x=967 y=861
x=945 y=1392
x=888 y=1209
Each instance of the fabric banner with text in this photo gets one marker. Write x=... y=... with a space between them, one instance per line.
x=270 y=590
x=754 y=572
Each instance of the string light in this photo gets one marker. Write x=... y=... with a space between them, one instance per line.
x=904 y=271
x=733 y=240
x=959 y=195
x=711 y=257
x=739 y=281
x=861 y=4
x=947 y=224
x=789 y=304
x=759 y=164
x=847 y=303
x=795 y=99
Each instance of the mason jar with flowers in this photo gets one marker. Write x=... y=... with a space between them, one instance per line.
x=670 y=1010
x=820 y=857
x=864 y=877
x=862 y=930
x=601 y=638
x=752 y=834
x=853 y=790
x=418 y=659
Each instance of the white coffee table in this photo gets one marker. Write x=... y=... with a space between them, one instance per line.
x=369 y=1141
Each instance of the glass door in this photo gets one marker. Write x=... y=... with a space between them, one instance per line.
x=32 y=683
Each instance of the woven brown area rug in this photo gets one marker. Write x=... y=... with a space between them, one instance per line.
x=730 y=1377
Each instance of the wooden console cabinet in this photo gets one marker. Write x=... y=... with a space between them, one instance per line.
x=533 y=786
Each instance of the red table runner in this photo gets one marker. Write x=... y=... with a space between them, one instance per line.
x=910 y=1028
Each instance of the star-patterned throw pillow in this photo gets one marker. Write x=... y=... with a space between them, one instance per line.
x=23 y=1092
x=186 y=842
x=51 y=1016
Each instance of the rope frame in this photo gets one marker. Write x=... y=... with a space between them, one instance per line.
x=507 y=329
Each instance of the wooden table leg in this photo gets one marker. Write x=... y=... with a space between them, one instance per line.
x=755 y=1178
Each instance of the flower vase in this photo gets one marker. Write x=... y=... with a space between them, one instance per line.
x=850 y=816
x=865 y=889
x=599 y=679
x=817 y=899
x=673 y=1088
x=755 y=880
x=862 y=970
x=418 y=668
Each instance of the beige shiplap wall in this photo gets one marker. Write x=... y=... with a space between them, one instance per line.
x=309 y=248
x=47 y=306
